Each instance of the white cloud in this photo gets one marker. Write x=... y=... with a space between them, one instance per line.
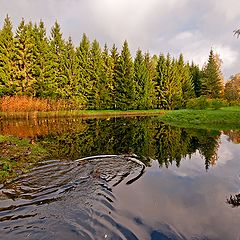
x=190 y=27
x=228 y=55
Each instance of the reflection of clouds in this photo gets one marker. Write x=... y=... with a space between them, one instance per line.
x=194 y=166
x=187 y=199
x=225 y=151
x=190 y=166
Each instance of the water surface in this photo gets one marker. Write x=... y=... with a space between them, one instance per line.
x=124 y=178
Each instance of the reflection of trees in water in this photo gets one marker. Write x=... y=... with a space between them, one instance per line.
x=234 y=201
x=143 y=136
x=41 y=126
x=173 y=144
x=208 y=146
x=233 y=135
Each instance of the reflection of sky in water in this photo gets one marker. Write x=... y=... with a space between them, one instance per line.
x=188 y=200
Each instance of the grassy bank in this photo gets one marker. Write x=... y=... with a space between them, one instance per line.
x=18 y=155
x=224 y=118
x=80 y=113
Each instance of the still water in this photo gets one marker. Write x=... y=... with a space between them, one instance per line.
x=124 y=178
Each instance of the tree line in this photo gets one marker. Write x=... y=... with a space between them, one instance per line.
x=147 y=137
x=33 y=64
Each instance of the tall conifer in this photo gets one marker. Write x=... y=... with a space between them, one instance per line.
x=95 y=82
x=107 y=87
x=43 y=63
x=23 y=57
x=151 y=63
x=6 y=58
x=141 y=79
x=70 y=73
x=125 y=88
x=84 y=72
x=196 y=79
x=211 y=79
x=185 y=78
x=168 y=87
x=57 y=45
x=114 y=57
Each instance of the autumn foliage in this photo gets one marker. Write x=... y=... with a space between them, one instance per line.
x=30 y=104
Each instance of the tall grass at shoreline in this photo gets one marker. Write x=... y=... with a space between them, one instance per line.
x=30 y=104
x=19 y=107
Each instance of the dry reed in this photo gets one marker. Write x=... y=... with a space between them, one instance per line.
x=30 y=104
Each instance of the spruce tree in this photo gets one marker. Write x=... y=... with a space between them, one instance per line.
x=114 y=59
x=70 y=73
x=95 y=82
x=6 y=59
x=125 y=88
x=211 y=78
x=23 y=58
x=107 y=87
x=168 y=87
x=57 y=46
x=175 y=91
x=141 y=79
x=84 y=70
x=185 y=78
x=151 y=63
x=160 y=86
x=43 y=63
x=196 y=79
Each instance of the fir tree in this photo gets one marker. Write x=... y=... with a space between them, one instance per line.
x=107 y=87
x=125 y=88
x=174 y=86
x=43 y=63
x=196 y=79
x=114 y=57
x=6 y=58
x=23 y=57
x=95 y=76
x=211 y=79
x=185 y=78
x=151 y=64
x=141 y=81
x=70 y=72
x=168 y=87
x=84 y=72
x=160 y=86
x=57 y=45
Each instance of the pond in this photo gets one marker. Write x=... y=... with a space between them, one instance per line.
x=123 y=178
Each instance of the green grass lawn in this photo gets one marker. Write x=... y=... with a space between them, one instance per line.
x=224 y=118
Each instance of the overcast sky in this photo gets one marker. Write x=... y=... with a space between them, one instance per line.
x=192 y=27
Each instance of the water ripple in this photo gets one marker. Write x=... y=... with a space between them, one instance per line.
x=67 y=200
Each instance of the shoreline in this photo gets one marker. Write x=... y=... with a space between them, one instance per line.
x=81 y=113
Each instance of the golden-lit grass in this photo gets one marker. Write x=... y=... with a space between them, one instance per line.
x=30 y=104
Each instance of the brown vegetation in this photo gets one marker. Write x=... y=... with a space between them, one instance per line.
x=30 y=104
x=32 y=128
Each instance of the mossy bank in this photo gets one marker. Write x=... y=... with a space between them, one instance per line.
x=18 y=155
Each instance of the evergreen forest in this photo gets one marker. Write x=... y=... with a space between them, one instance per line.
x=93 y=77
